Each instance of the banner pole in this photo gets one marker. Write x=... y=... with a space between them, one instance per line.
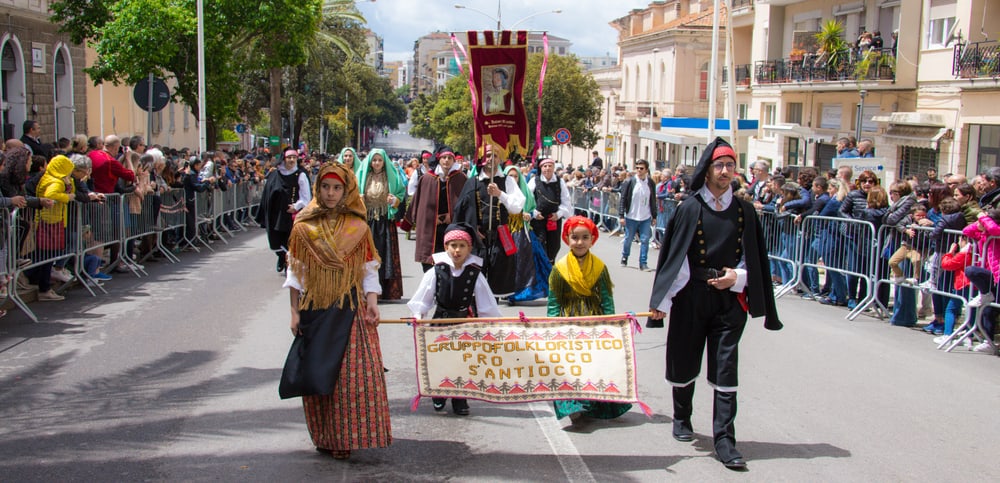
x=502 y=319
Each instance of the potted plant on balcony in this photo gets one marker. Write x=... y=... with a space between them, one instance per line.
x=833 y=49
x=796 y=54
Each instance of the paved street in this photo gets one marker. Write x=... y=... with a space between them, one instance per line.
x=174 y=377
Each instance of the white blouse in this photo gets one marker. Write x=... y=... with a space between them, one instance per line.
x=423 y=300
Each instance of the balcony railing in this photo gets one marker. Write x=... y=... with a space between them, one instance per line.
x=742 y=74
x=873 y=65
x=738 y=4
x=978 y=59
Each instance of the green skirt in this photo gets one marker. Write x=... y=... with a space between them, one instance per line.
x=593 y=409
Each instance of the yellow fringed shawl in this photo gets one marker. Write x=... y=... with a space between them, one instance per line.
x=581 y=277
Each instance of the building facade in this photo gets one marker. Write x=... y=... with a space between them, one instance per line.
x=41 y=74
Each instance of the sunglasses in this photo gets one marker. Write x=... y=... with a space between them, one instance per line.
x=866 y=181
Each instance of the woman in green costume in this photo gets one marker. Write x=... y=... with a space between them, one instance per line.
x=580 y=285
x=383 y=189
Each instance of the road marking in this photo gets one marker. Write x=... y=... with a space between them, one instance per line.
x=573 y=466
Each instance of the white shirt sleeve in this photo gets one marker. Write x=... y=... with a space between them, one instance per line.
x=513 y=198
x=486 y=303
x=423 y=299
x=741 y=276
x=565 y=202
x=292 y=280
x=683 y=276
x=370 y=283
x=305 y=194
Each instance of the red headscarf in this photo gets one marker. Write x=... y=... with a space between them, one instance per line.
x=577 y=221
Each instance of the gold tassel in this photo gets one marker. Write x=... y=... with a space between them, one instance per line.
x=327 y=284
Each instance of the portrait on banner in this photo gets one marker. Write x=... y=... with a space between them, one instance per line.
x=496 y=88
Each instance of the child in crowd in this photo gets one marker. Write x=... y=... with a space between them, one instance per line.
x=94 y=257
x=911 y=244
x=446 y=286
x=985 y=231
x=580 y=285
x=958 y=257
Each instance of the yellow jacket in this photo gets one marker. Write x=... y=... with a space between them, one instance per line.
x=53 y=186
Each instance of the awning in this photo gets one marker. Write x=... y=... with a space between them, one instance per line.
x=915 y=136
x=669 y=137
x=791 y=129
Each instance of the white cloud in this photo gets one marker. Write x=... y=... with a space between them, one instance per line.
x=583 y=22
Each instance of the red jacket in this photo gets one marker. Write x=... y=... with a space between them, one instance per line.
x=957 y=263
x=106 y=171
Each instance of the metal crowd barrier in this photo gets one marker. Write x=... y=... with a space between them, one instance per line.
x=846 y=248
x=30 y=243
x=781 y=239
x=973 y=324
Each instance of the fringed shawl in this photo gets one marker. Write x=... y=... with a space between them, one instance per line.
x=329 y=247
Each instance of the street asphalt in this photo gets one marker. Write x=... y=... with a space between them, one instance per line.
x=173 y=377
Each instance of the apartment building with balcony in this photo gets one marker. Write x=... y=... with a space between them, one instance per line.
x=665 y=52
x=925 y=98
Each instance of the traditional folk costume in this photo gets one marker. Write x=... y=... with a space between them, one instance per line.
x=282 y=187
x=706 y=235
x=492 y=216
x=430 y=210
x=579 y=287
x=456 y=292
x=335 y=364
x=520 y=231
x=356 y=161
x=375 y=190
x=551 y=198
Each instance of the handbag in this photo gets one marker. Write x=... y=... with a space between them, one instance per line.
x=506 y=240
x=50 y=236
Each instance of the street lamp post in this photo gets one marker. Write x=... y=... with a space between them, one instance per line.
x=498 y=17
x=861 y=113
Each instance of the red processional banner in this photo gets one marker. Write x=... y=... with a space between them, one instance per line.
x=497 y=67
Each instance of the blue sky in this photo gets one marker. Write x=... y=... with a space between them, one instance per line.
x=583 y=22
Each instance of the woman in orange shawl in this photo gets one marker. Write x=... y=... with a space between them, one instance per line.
x=335 y=363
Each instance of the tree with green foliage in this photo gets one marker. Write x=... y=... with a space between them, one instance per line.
x=571 y=99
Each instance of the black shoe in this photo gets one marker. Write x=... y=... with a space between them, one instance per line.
x=624 y=262
x=736 y=464
x=439 y=403
x=460 y=407
x=683 y=431
x=281 y=265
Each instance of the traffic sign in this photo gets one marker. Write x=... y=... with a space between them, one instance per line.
x=241 y=128
x=275 y=141
x=547 y=141
x=562 y=135
x=161 y=94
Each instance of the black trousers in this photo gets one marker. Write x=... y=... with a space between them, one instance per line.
x=551 y=240
x=708 y=317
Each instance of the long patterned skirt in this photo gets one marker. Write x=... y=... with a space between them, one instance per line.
x=356 y=415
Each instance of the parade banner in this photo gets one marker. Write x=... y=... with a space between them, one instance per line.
x=589 y=358
x=496 y=77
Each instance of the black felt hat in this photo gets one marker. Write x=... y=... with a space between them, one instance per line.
x=713 y=151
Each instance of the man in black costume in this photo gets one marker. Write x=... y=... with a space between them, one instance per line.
x=552 y=205
x=716 y=262
x=286 y=192
x=486 y=202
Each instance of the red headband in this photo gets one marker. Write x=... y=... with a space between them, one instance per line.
x=578 y=221
x=457 y=235
x=332 y=175
x=723 y=150
x=546 y=161
x=442 y=153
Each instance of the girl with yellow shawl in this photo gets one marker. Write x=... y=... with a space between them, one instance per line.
x=335 y=362
x=580 y=285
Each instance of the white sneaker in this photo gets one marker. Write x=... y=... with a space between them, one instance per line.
x=986 y=347
x=967 y=343
x=912 y=281
x=981 y=300
x=60 y=275
x=940 y=339
x=51 y=295
x=927 y=285
x=897 y=280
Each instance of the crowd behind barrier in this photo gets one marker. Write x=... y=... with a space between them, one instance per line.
x=92 y=229
x=852 y=260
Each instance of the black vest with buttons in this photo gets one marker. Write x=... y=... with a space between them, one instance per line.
x=718 y=239
x=455 y=296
